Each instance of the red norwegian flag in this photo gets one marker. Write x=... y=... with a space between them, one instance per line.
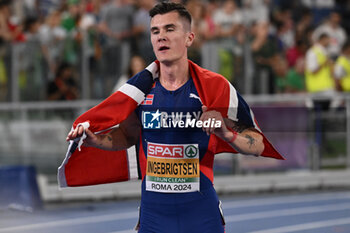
x=148 y=100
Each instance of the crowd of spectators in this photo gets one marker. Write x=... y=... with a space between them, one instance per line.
x=271 y=36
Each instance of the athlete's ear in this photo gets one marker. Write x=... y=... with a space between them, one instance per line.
x=189 y=39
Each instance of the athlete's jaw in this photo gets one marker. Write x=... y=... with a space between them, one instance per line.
x=163 y=50
x=165 y=53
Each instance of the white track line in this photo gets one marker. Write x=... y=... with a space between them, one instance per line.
x=126 y=231
x=71 y=222
x=287 y=212
x=230 y=218
x=286 y=200
x=306 y=226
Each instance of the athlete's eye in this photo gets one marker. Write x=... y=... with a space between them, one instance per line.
x=170 y=29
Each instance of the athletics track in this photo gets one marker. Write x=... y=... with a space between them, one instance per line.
x=321 y=212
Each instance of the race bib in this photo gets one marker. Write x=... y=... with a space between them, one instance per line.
x=172 y=168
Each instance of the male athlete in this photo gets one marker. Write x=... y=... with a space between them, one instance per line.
x=177 y=190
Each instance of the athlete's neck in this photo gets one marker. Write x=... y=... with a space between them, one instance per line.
x=174 y=75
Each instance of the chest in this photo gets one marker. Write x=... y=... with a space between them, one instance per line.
x=170 y=109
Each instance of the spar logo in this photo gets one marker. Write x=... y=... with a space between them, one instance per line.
x=157 y=120
x=172 y=150
x=191 y=151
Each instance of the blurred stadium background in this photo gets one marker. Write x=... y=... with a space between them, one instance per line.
x=59 y=58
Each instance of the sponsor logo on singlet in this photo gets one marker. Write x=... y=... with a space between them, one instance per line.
x=158 y=119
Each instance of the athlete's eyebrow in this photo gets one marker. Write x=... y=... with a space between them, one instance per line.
x=167 y=26
x=154 y=29
x=171 y=25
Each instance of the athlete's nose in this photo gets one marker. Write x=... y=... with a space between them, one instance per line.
x=161 y=36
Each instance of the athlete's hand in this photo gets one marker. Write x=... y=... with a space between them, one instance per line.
x=211 y=115
x=90 y=140
x=76 y=133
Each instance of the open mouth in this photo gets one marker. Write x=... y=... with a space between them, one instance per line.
x=163 y=48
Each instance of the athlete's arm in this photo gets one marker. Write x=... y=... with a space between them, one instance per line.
x=126 y=135
x=244 y=140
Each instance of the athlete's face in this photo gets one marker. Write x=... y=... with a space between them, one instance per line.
x=170 y=36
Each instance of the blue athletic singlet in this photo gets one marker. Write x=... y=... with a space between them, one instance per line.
x=176 y=159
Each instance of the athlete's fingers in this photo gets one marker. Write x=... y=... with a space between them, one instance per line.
x=89 y=133
x=205 y=112
x=91 y=138
x=77 y=132
x=206 y=130
x=81 y=130
x=207 y=115
x=214 y=117
x=211 y=129
x=211 y=116
x=70 y=135
x=203 y=118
